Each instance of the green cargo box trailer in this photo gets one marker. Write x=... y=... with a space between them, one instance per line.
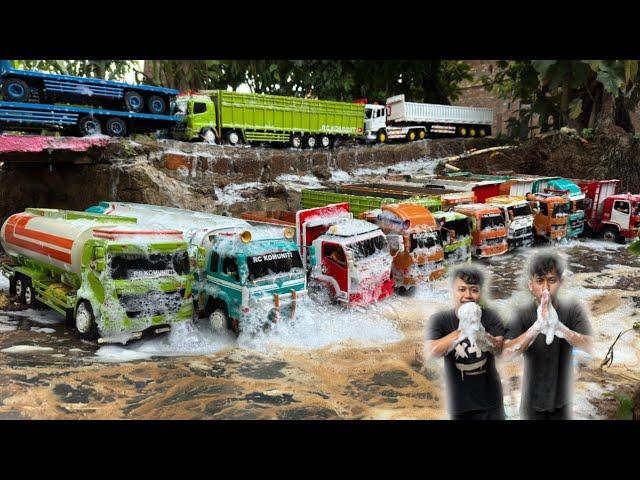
x=361 y=202
x=234 y=118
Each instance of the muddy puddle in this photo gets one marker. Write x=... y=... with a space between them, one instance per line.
x=331 y=363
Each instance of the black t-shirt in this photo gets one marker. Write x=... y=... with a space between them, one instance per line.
x=548 y=376
x=472 y=379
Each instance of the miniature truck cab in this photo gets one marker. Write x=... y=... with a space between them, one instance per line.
x=351 y=257
x=487 y=229
x=615 y=217
x=106 y=275
x=519 y=218
x=455 y=232
x=551 y=215
x=243 y=277
x=422 y=256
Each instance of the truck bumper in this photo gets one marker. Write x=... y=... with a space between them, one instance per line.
x=485 y=252
x=380 y=292
x=557 y=234
x=522 y=241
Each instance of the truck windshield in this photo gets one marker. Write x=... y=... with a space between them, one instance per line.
x=424 y=240
x=368 y=247
x=460 y=227
x=560 y=209
x=520 y=210
x=129 y=266
x=491 y=220
x=180 y=107
x=368 y=113
x=272 y=263
x=579 y=204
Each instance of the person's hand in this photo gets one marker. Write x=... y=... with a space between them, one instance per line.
x=469 y=315
x=547 y=322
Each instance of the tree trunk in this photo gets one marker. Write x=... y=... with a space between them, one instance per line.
x=623 y=119
x=564 y=101
x=606 y=117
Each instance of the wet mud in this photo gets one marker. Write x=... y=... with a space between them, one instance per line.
x=48 y=373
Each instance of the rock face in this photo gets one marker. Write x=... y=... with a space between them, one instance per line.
x=186 y=175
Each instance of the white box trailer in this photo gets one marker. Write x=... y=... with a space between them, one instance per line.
x=410 y=121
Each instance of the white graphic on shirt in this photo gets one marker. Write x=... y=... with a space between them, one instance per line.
x=462 y=351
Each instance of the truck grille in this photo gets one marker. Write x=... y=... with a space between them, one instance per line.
x=523 y=231
x=152 y=303
x=492 y=242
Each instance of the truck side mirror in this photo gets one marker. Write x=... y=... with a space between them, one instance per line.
x=99 y=263
x=396 y=245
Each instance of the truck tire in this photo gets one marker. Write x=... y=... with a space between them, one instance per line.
x=86 y=321
x=296 y=140
x=89 y=125
x=133 y=101
x=411 y=135
x=156 y=104
x=30 y=296
x=462 y=131
x=382 y=136
x=116 y=127
x=310 y=142
x=218 y=318
x=19 y=287
x=482 y=132
x=472 y=132
x=324 y=141
x=232 y=137
x=15 y=90
x=208 y=136
x=610 y=234
x=422 y=134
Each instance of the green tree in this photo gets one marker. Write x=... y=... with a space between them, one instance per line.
x=576 y=93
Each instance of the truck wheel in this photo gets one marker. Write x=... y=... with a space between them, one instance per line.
x=86 y=321
x=20 y=285
x=30 y=296
x=116 y=127
x=382 y=136
x=482 y=132
x=232 y=137
x=610 y=234
x=296 y=140
x=310 y=141
x=462 y=131
x=219 y=320
x=89 y=126
x=324 y=141
x=208 y=136
x=156 y=105
x=422 y=134
x=133 y=101
x=411 y=136
x=472 y=132
x=15 y=90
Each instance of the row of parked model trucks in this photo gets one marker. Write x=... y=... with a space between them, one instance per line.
x=120 y=268
x=32 y=100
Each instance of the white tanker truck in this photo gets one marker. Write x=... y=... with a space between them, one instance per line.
x=109 y=278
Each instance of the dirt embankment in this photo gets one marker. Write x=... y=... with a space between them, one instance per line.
x=189 y=175
x=613 y=157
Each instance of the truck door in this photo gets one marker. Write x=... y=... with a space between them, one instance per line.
x=620 y=213
x=334 y=264
x=224 y=274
